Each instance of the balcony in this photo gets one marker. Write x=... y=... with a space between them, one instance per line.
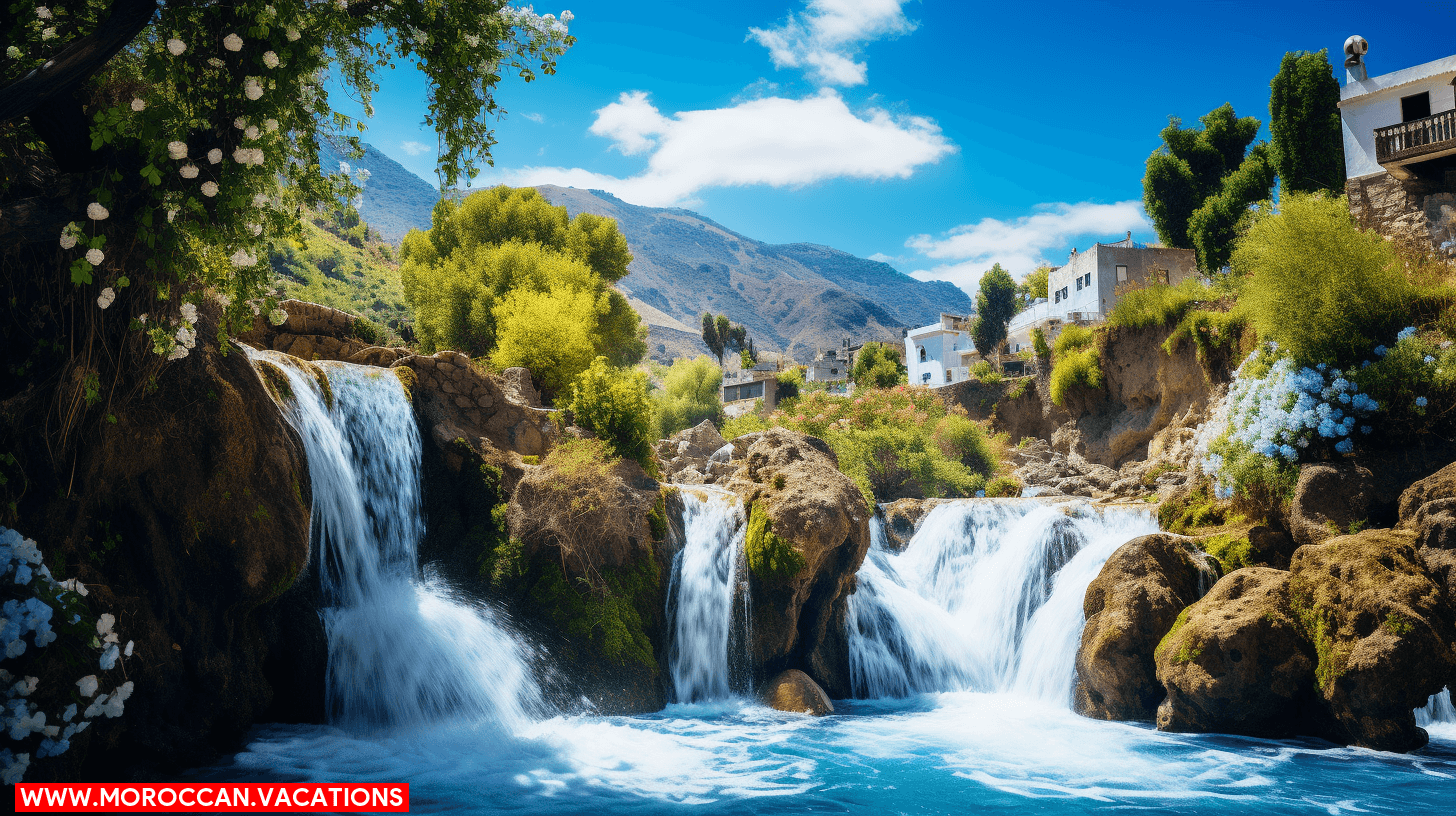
x=1415 y=141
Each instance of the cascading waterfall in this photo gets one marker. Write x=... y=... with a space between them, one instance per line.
x=1438 y=711
x=402 y=650
x=986 y=597
x=700 y=597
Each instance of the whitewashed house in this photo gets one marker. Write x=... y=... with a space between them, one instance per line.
x=1399 y=133
x=941 y=352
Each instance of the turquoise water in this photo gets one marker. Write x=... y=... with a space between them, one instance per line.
x=935 y=753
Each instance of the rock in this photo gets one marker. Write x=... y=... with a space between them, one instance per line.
x=795 y=691
x=813 y=528
x=690 y=450
x=1328 y=500
x=1130 y=606
x=1075 y=486
x=452 y=392
x=519 y=388
x=1237 y=661
x=1271 y=547
x=902 y=518
x=1429 y=508
x=1382 y=632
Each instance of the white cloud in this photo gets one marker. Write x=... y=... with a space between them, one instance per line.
x=534 y=117
x=826 y=36
x=415 y=148
x=882 y=257
x=771 y=141
x=1022 y=244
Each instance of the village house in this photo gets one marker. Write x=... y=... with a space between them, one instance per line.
x=748 y=385
x=942 y=352
x=1400 y=146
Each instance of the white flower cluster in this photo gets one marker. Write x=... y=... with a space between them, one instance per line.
x=70 y=235
x=13 y=52
x=1279 y=414
x=232 y=42
x=96 y=212
x=175 y=47
x=249 y=156
x=177 y=150
x=106 y=297
x=32 y=617
x=252 y=88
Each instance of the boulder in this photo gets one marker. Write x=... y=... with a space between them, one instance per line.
x=1382 y=634
x=453 y=393
x=808 y=534
x=795 y=691
x=1130 y=606
x=1270 y=547
x=1237 y=660
x=1328 y=500
x=902 y=518
x=1428 y=507
x=519 y=388
x=686 y=455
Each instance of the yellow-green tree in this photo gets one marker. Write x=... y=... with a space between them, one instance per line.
x=612 y=403
x=691 y=393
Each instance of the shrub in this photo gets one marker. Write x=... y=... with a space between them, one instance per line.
x=1157 y=304
x=1213 y=333
x=1188 y=512
x=1233 y=552
x=612 y=403
x=1078 y=362
x=1005 y=487
x=1321 y=288
x=878 y=366
x=1039 y=344
x=691 y=392
x=790 y=382
x=1414 y=382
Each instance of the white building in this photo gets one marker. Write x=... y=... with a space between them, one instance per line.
x=1399 y=133
x=941 y=352
x=828 y=366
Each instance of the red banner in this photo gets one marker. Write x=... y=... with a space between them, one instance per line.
x=212 y=797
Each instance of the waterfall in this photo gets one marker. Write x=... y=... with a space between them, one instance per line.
x=986 y=597
x=402 y=650
x=700 y=596
x=1438 y=710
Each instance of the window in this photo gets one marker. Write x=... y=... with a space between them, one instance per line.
x=922 y=354
x=1065 y=294
x=947 y=375
x=925 y=377
x=1415 y=107
x=1088 y=278
x=833 y=371
x=1121 y=273
x=1079 y=283
x=1057 y=296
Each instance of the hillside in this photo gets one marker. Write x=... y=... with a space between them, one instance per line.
x=395 y=200
x=792 y=297
x=343 y=268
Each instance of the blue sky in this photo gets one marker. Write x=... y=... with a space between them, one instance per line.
x=937 y=135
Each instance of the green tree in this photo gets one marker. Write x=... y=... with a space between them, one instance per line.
x=612 y=403
x=547 y=332
x=1034 y=285
x=692 y=391
x=723 y=336
x=1215 y=224
x=1307 y=146
x=995 y=306
x=1190 y=166
x=878 y=366
x=711 y=338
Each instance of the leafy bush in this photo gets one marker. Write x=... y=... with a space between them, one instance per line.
x=1414 y=381
x=878 y=366
x=1039 y=344
x=1211 y=332
x=894 y=443
x=1003 y=487
x=1157 y=304
x=612 y=403
x=691 y=393
x=1320 y=287
x=986 y=373
x=1232 y=551
x=1077 y=362
x=790 y=383
x=1183 y=514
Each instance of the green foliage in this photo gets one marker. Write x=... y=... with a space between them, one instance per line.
x=610 y=614
x=1320 y=287
x=1157 y=304
x=790 y=383
x=1077 y=362
x=1178 y=624
x=1307 y=146
x=613 y=404
x=1003 y=487
x=995 y=306
x=1188 y=512
x=1402 y=377
x=1212 y=332
x=1034 y=285
x=893 y=442
x=1189 y=167
x=1216 y=223
x=692 y=391
x=770 y=556
x=722 y=336
x=986 y=373
x=507 y=274
x=323 y=268
x=1039 y=344
x=1232 y=551
x=878 y=366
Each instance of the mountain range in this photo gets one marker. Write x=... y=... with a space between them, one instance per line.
x=793 y=298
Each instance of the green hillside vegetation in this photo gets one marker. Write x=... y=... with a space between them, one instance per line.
x=342 y=263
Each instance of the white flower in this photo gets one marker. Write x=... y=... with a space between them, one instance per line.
x=188 y=171
x=256 y=229
x=43 y=12
x=278 y=317
x=68 y=240
x=209 y=188
x=75 y=584
x=250 y=132
x=127 y=651
x=96 y=212
x=107 y=296
x=214 y=155
x=175 y=47
x=189 y=314
x=260 y=200
x=232 y=42
x=472 y=39
x=344 y=168
x=141 y=318
x=177 y=353
x=88 y=685
x=95 y=256
x=177 y=150
x=292 y=34
x=362 y=175
x=171 y=216
x=48 y=34
x=252 y=89
x=240 y=123
x=138 y=104
x=270 y=59
x=12 y=52
x=187 y=337
x=270 y=125
x=567 y=16
x=105 y=622
x=243 y=258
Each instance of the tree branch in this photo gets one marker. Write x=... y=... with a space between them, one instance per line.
x=82 y=58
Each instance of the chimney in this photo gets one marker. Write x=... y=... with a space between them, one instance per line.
x=1355 y=49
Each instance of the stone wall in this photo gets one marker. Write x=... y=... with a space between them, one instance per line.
x=1419 y=208
x=315 y=332
x=458 y=400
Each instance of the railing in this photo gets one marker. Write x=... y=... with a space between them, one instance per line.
x=1415 y=138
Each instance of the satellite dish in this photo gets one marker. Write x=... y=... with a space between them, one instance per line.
x=1355 y=48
